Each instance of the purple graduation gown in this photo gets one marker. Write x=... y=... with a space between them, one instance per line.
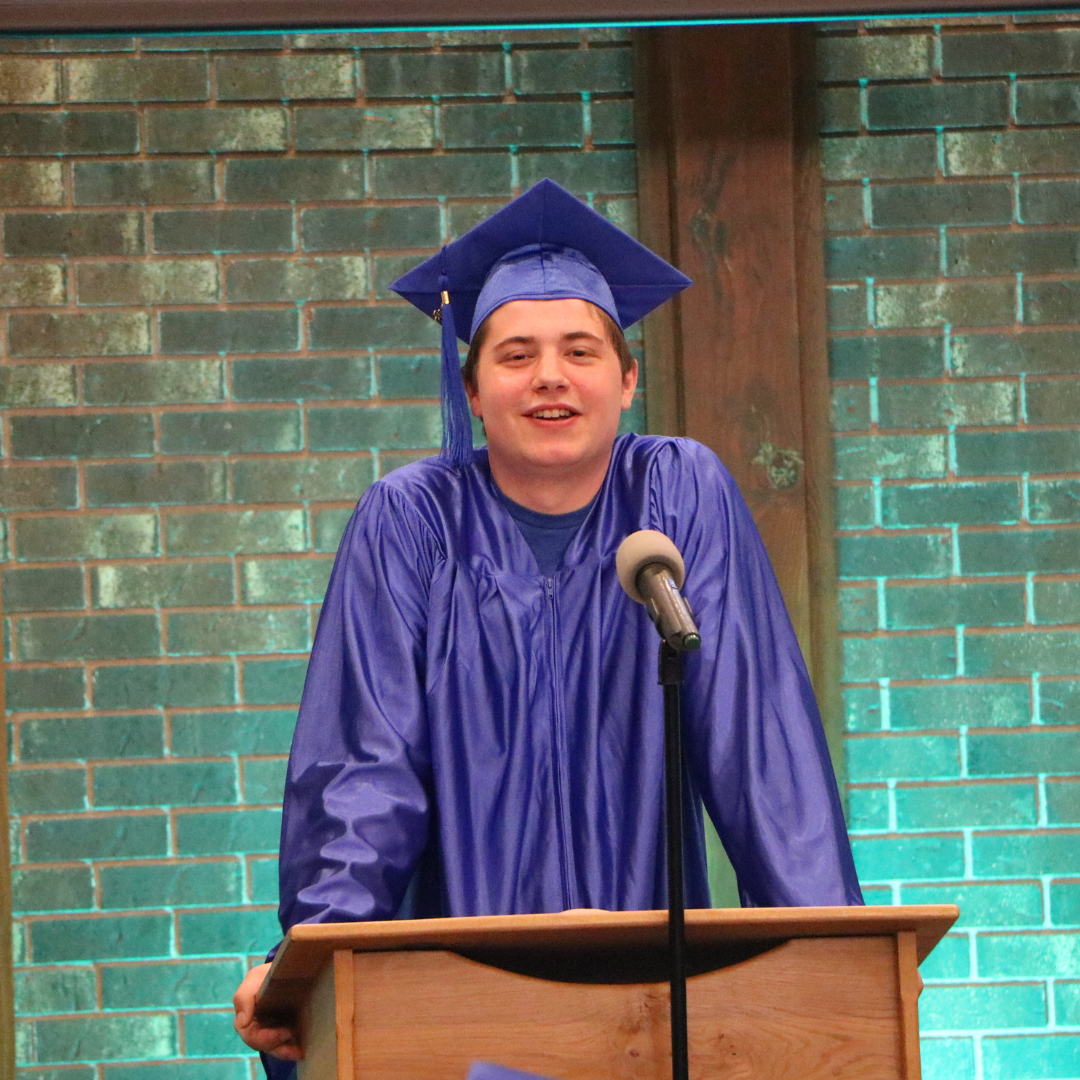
x=477 y=739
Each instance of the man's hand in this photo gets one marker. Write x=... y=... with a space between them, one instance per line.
x=279 y=1042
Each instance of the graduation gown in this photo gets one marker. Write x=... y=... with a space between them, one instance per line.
x=476 y=738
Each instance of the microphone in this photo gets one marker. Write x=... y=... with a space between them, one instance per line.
x=651 y=571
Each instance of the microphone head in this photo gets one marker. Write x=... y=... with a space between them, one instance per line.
x=644 y=548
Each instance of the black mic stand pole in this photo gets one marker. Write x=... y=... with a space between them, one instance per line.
x=671 y=680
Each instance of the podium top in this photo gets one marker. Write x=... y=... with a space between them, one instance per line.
x=309 y=945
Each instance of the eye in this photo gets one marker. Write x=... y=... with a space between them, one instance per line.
x=516 y=357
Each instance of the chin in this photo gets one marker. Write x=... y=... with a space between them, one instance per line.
x=555 y=456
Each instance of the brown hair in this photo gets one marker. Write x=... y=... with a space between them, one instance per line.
x=614 y=334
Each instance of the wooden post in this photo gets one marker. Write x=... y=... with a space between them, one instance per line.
x=910 y=986
x=729 y=190
x=824 y=659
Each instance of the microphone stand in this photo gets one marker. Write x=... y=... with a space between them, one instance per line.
x=670 y=663
x=651 y=571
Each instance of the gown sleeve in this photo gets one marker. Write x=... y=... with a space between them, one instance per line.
x=756 y=745
x=357 y=794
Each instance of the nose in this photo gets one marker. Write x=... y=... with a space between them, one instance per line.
x=548 y=373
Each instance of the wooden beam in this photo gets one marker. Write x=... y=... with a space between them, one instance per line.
x=730 y=190
x=664 y=405
x=814 y=380
x=65 y=16
x=732 y=180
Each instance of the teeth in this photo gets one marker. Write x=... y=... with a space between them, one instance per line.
x=552 y=414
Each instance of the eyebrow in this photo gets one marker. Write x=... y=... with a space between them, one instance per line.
x=574 y=335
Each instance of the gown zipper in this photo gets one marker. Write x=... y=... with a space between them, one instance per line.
x=559 y=757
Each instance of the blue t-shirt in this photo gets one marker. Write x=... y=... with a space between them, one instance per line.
x=548 y=535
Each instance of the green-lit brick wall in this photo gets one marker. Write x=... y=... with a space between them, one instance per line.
x=202 y=370
x=952 y=163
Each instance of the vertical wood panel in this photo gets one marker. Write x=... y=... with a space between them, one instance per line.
x=344 y=1012
x=319 y=1029
x=910 y=986
x=730 y=189
x=734 y=217
x=664 y=414
x=824 y=653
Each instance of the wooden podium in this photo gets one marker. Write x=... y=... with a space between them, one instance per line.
x=773 y=994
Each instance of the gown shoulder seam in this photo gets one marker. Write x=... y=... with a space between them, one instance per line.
x=397 y=496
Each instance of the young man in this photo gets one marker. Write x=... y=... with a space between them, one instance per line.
x=481 y=730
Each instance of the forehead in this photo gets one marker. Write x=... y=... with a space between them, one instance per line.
x=544 y=318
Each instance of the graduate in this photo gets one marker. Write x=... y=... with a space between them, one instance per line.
x=481 y=731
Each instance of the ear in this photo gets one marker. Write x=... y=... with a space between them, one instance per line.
x=629 y=385
x=474 y=401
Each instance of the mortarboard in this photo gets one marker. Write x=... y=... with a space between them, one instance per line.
x=544 y=245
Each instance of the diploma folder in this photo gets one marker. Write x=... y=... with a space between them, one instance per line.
x=773 y=994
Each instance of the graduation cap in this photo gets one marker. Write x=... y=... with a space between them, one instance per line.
x=544 y=245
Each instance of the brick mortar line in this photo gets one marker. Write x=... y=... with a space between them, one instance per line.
x=888 y=281
x=223 y=407
x=114 y=861
x=18 y=718
x=942 y=482
x=997 y=830
x=1007 y=578
x=186 y=609
x=1013 y=330
x=510 y=97
x=933 y=682
x=179 y=560
x=157 y=910
x=87 y=765
x=949 y=633
x=953 y=481
x=933 y=481
x=945 y=530
x=946 y=379
x=965 y=529
x=91 y=666
x=953 y=733
x=1001 y=179
x=956 y=429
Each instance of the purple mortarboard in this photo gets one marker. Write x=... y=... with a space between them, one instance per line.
x=544 y=245
x=484 y=1070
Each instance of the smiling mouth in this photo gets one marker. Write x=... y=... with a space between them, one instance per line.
x=552 y=414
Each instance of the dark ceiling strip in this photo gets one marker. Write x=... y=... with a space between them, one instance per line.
x=66 y=16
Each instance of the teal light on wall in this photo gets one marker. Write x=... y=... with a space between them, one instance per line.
x=951 y=180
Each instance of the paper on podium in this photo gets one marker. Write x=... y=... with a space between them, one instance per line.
x=484 y=1070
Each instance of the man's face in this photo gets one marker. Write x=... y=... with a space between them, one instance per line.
x=549 y=386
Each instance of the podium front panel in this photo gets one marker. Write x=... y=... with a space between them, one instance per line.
x=803 y=1009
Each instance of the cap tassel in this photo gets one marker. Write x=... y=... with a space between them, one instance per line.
x=457 y=445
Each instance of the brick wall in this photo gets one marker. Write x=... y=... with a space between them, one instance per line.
x=202 y=369
x=952 y=157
